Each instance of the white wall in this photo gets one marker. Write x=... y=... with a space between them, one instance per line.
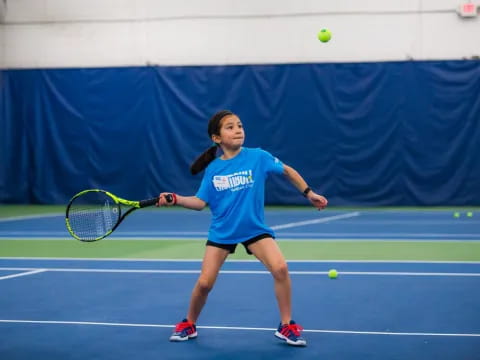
x=2 y=45
x=71 y=33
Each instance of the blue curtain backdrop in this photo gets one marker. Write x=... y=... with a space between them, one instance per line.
x=397 y=133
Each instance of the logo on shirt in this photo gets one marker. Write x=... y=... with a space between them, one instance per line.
x=236 y=181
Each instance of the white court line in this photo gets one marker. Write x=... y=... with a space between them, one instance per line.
x=244 y=272
x=125 y=233
x=194 y=235
x=242 y=260
x=22 y=274
x=413 y=221
x=316 y=221
x=28 y=217
x=376 y=235
x=237 y=328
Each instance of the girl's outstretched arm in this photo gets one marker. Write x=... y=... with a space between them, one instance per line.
x=188 y=202
x=319 y=201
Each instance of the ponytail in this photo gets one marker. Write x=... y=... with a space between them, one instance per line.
x=209 y=155
x=203 y=160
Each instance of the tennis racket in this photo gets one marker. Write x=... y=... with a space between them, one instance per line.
x=94 y=214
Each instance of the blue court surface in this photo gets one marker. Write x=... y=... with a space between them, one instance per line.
x=288 y=224
x=117 y=309
x=126 y=309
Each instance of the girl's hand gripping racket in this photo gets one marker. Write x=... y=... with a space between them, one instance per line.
x=94 y=214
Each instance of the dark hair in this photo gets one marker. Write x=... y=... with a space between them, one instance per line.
x=209 y=155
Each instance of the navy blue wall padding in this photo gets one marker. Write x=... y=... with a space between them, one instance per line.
x=395 y=133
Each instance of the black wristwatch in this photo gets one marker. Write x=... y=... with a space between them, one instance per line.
x=306 y=191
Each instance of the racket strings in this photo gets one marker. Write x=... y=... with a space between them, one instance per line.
x=93 y=218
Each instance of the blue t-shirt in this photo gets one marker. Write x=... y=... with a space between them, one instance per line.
x=234 y=190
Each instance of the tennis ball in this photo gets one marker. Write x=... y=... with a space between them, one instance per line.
x=469 y=214
x=324 y=35
x=333 y=274
x=456 y=214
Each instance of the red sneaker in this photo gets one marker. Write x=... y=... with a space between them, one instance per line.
x=291 y=334
x=185 y=330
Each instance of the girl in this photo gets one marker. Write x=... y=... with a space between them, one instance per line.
x=233 y=186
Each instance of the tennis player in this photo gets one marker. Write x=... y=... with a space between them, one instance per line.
x=233 y=186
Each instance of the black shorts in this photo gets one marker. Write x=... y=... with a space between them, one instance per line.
x=231 y=247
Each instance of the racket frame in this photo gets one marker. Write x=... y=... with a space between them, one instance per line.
x=134 y=205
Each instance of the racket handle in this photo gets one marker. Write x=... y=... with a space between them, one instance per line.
x=149 y=202
x=154 y=201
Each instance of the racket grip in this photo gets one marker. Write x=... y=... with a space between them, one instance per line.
x=149 y=202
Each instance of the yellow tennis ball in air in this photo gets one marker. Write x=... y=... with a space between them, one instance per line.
x=324 y=35
x=333 y=274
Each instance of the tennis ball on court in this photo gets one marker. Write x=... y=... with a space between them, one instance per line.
x=332 y=274
x=469 y=214
x=456 y=214
x=324 y=35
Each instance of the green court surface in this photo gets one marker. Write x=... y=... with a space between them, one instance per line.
x=344 y=249
x=293 y=250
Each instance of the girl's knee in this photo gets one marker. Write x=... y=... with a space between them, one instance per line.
x=280 y=271
x=204 y=285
